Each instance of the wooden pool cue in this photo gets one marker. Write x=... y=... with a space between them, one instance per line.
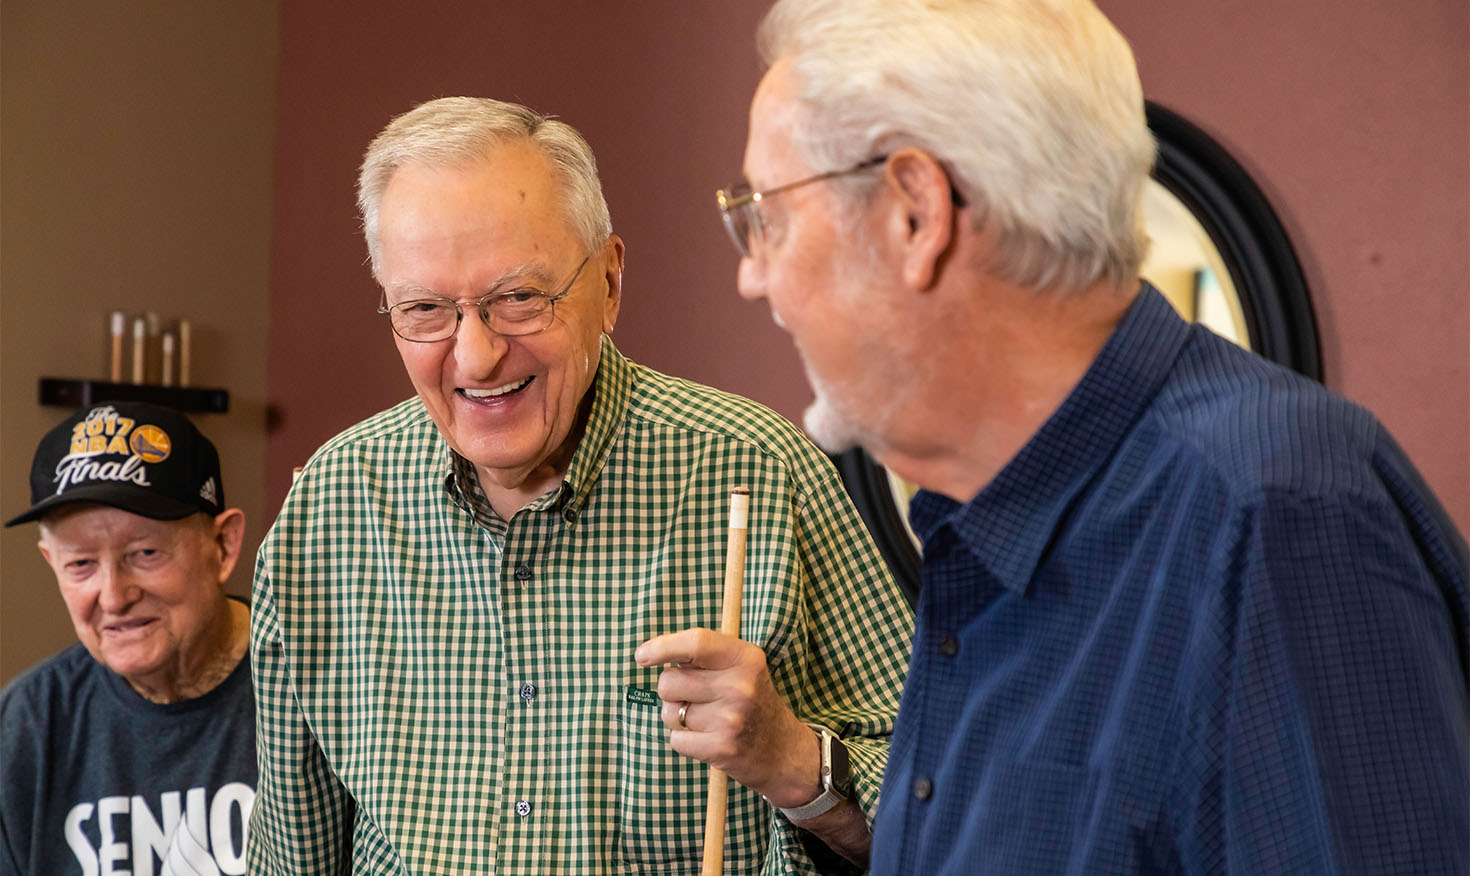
x=140 y=347
x=714 y=810
x=168 y=359
x=115 y=365
x=185 y=350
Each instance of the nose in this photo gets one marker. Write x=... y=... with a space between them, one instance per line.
x=116 y=591
x=477 y=348
x=750 y=279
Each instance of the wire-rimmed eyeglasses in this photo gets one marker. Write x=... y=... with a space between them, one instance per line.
x=521 y=311
x=738 y=203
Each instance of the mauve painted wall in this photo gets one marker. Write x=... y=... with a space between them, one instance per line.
x=1353 y=117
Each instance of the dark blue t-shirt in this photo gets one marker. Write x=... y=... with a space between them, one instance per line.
x=96 y=779
x=1208 y=620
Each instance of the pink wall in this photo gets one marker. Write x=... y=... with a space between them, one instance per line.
x=1354 y=118
x=1357 y=127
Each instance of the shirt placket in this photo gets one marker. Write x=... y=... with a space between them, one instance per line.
x=527 y=780
x=954 y=596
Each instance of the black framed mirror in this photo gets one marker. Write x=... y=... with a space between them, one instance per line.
x=1249 y=238
x=1220 y=255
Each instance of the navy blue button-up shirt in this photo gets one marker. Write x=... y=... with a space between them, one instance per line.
x=1208 y=620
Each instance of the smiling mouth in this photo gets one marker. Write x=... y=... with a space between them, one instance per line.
x=497 y=392
x=127 y=626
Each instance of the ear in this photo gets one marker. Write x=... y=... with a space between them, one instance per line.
x=613 y=276
x=229 y=535
x=41 y=546
x=923 y=194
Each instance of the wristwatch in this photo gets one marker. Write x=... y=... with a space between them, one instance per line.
x=836 y=777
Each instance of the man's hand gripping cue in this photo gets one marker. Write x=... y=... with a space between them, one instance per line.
x=733 y=719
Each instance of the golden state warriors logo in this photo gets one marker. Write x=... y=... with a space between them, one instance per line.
x=151 y=443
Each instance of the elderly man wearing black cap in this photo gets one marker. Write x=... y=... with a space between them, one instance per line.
x=132 y=750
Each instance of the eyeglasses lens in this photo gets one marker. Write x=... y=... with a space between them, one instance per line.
x=429 y=321
x=522 y=314
x=424 y=320
x=739 y=229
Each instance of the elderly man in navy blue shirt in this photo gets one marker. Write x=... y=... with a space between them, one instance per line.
x=1182 y=610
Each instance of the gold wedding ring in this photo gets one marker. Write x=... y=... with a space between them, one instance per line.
x=683 y=710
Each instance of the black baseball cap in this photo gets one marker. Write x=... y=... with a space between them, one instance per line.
x=140 y=457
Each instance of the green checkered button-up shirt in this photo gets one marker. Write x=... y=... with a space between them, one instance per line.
x=443 y=691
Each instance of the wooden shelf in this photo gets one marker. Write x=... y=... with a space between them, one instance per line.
x=70 y=392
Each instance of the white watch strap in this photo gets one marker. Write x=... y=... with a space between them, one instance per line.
x=825 y=801
x=829 y=796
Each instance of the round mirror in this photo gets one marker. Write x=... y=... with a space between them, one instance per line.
x=1184 y=265
x=1220 y=256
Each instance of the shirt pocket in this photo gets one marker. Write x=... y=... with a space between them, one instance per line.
x=1055 y=817
x=661 y=793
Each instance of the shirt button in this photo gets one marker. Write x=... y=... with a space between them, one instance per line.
x=528 y=691
x=523 y=808
x=949 y=646
x=569 y=514
x=523 y=572
x=923 y=789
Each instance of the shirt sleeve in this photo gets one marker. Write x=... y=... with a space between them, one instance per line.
x=301 y=812
x=17 y=767
x=1329 y=730
x=859 y=632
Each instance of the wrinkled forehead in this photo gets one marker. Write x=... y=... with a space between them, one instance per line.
x=510 y=205
x=516 y=165
x=771 y=156
x=87 y=522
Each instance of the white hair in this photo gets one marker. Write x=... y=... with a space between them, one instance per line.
x=1033 y=107
x=458 y=131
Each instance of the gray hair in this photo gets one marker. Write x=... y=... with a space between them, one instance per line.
x=456 y=132
x=1034 y=107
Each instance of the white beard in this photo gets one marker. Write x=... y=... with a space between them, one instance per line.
x=835 y=420
x=831 y=422
x=828 y=428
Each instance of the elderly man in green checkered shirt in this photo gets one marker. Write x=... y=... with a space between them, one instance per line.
x=481 y=622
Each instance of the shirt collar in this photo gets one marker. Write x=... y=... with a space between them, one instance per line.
x=1010 y=523
x=612 y=389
